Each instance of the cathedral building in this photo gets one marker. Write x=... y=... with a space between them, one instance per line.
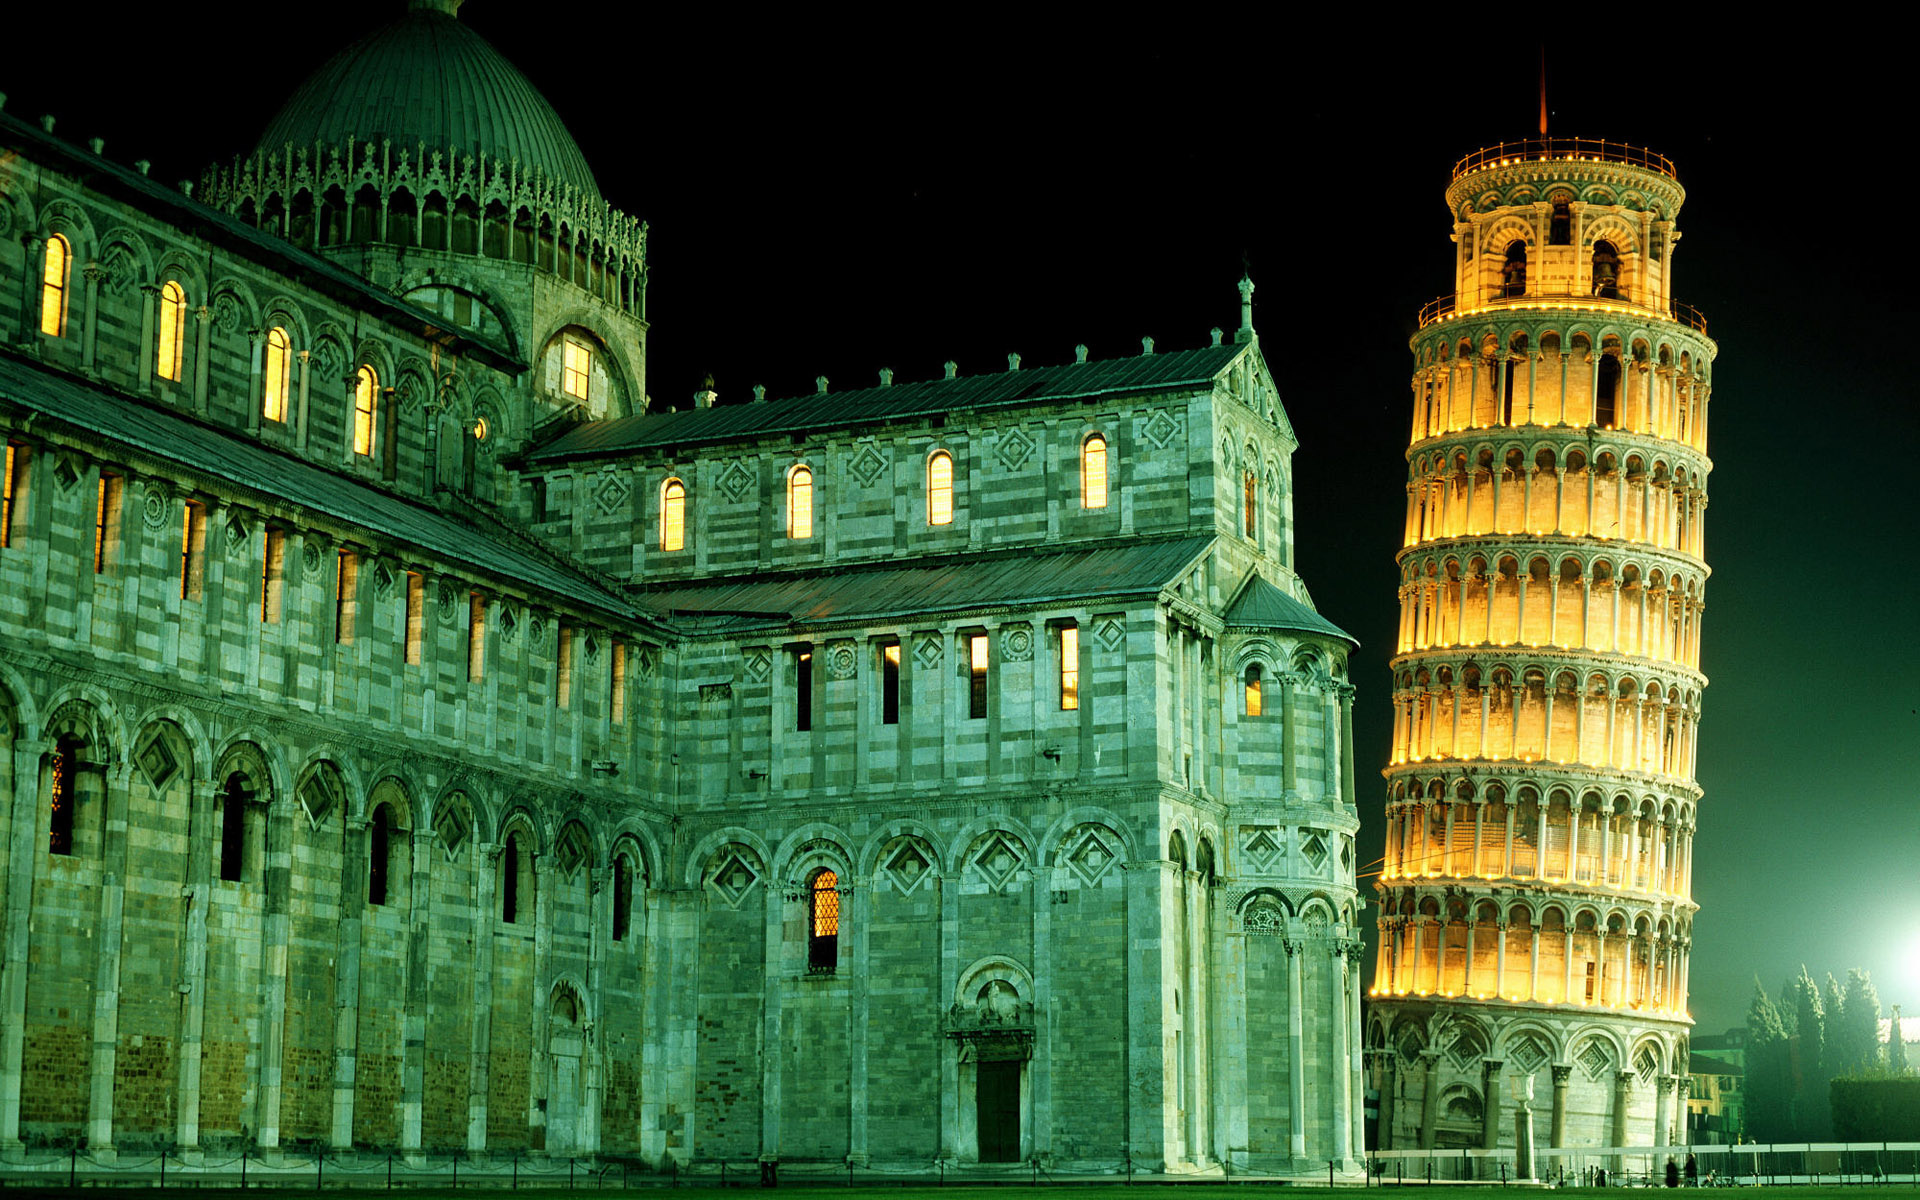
x=1535 y=900
x=409 y=742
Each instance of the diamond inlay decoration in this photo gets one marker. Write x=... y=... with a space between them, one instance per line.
x=236 y=537
x=1595 y=1059
x=649 y=659
x=157 y=760
x=927 y=652
x=1014 y=450
x=573 y=850
x=732 y=879
x=1527 y=1056
x=908 y=867
x=997 y=860
x=1092 y=859
x=319 y=794
x=1463 y=1052
x=454 y=826
x=65 y=474
x=383 y=582
x=1314 y=850
x=612 y=493
x=735 y=482
x=1111 y=633
x=758 y=663
x=1410 y=1046
x=1647 y=1064
x=1262 y=846
x=508 y=623
x=1161 y=429
x=868 y=467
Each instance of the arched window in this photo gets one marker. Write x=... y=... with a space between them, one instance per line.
x=1253 y=690
x=1250 y=505
x=622 y=897
x=823 y=923
x=233 y=828
x=66 y=760
x=173 y=331
x=673 y=515
x=275 y=369
x=1093 y=472
x=53 y=287
x=379 y=855
x=800 y=503
x=1606 y=400
x=576 y=367
x=940 y=488
x=510 y=880
x=1606 y=270
x=366 y=398
x=1513 y=273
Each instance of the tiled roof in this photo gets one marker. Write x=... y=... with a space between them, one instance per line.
x=282 y=477
x=1701 y=1064
x=958 y=584
x=1029 y=385
x=1261 y=605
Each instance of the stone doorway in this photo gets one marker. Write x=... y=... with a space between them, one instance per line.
x=997 y=1110
x=564 y=1089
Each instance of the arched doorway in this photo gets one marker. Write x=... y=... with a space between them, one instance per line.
x=566 y=1083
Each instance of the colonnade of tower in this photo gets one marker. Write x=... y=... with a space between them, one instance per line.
x=1535 y=895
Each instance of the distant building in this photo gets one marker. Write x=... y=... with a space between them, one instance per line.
x=1536 y=911
x=1716 y=1106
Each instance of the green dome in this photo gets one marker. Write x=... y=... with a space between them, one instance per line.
x=428 y=79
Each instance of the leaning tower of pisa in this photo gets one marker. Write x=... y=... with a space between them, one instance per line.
x=1535 y=897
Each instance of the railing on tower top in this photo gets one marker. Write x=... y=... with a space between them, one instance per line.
x=1564 y=150
x=1450 y=305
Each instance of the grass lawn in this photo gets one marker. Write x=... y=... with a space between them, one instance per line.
x=1093 y=1191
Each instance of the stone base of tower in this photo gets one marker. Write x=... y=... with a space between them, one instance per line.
x=1450 y=1076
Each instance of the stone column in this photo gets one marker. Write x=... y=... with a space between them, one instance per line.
x=21 y=844
x=202 y=324
x=106 y=979
x=149 y=306
x=193 y=957
x=1296 y=1068
x=1489 y=1107
x=1429 y=1097
x=346 y=980
x=276 y=933
x=413 y=1013
x=1341 y=1093
x=1663 y=1110
x=856 y=923
x=1389 y=1081
x=1348 y=791
x=34 y=256
x=1289 y=759
x=487 y=856
x=90 y=324
x=1622 y=1094
x=1682 y=1123
x=1557 y=1131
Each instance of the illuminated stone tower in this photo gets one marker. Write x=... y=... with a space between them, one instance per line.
x=1535 y=910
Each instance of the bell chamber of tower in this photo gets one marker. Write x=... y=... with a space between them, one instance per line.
x=1535 y=897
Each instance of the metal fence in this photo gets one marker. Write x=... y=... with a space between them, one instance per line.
x=1646 y=1166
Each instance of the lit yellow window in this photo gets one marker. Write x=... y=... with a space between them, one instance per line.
x=1093 y=472
x=1251 y=505
x=173 y=331
x=617 y=685
x=940 y=488
x=1253 y=690
x=6 y=497
x=53 y=287
x=1069 y=666
x=476 y=637
x=106 y=525
x=273 y=575
x=673 y=515
x=416 y=616
x=576 y=366
x=366 y=396
x=193 y=550
x=800 y=503
x=276 y=368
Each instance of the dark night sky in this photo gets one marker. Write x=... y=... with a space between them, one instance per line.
x=833 y=195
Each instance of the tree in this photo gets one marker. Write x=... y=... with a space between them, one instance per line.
x=1856 y=1031
x=1769 y=1071
x=1809 y=1103
x=1896 y=1046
